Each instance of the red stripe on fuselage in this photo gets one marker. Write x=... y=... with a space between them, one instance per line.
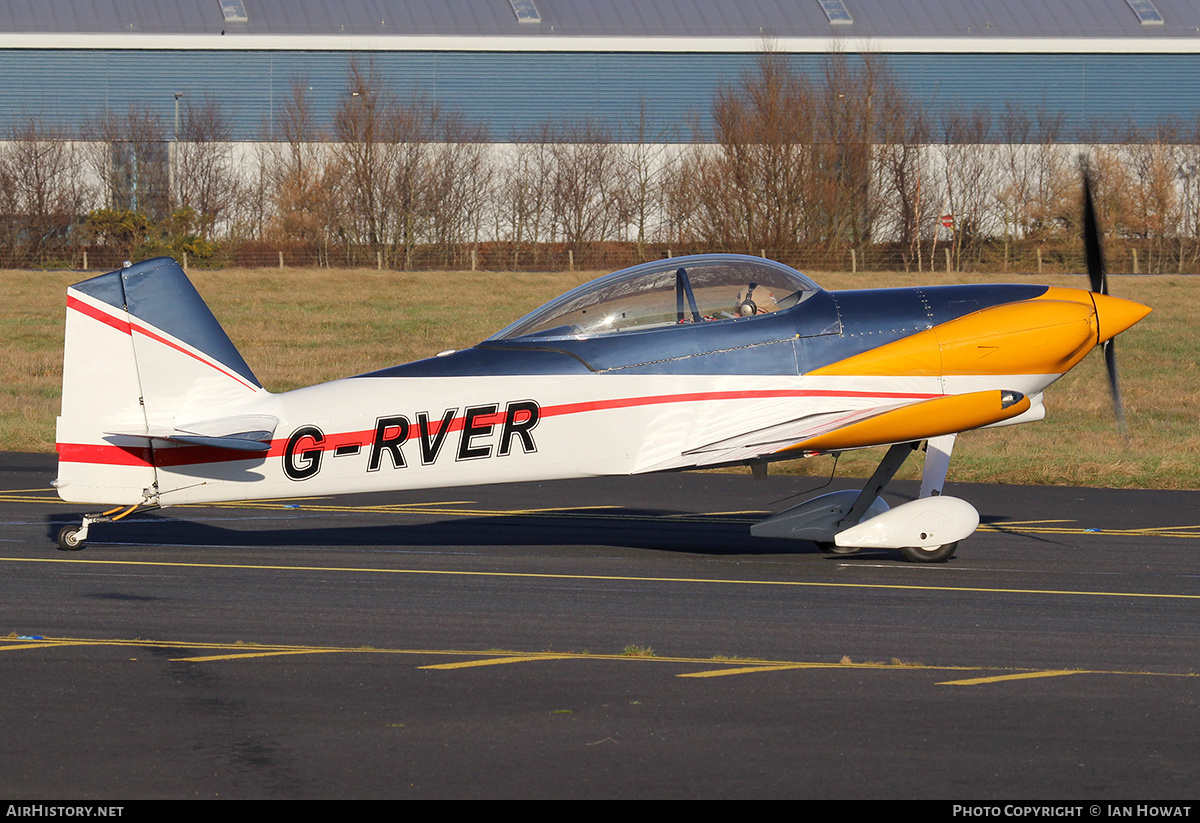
x=756 y=394
x=107 y=454
x=193 y=455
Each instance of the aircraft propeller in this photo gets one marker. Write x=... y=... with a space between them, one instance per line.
x=1094 y=254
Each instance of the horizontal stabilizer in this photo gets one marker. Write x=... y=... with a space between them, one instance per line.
x=251 y=432
x=245 y=442
x=251 y=441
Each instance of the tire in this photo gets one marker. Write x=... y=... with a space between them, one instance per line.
x=68 y=539
x=938 y=554
x=834 y=548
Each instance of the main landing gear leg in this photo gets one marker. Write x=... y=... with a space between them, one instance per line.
x=888 y=466
x=925 y=530
x=937 y=463
x=72 y=538
x=884 y=472
x=820 y=519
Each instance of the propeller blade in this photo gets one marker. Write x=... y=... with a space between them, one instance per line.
x=1114 y=384
x=1093 y=252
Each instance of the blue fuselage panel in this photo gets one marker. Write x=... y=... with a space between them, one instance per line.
x=825 y=328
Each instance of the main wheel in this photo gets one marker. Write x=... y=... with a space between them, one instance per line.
x=68 y=539
x=938 y=554
x=834 y=548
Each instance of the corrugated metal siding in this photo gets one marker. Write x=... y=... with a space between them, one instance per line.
x=513 y=93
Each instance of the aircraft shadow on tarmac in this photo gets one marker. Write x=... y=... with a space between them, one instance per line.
x=636 y=528
x=628 y=528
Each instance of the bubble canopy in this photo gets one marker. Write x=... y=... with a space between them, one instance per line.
x=679 y=291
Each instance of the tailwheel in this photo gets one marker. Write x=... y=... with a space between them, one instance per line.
x=69 y=538
x=834 y=548
x=936 y=554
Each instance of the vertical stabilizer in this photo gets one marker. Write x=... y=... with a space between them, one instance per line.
x=141 y=350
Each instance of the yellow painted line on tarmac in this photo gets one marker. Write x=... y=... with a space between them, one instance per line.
x=1002 y=678
x=438 y=508
x=305 y=503
x=768 y=668
x=266 y=502
x=46 y=644
x=1042 y=527
x=245 y=655
x=19 y=497
x=603 y=578
x=241 y=650
x=500 y=661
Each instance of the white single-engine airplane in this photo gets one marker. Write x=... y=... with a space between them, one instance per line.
x=689 y=362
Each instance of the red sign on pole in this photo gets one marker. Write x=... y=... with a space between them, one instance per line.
x=947 y=221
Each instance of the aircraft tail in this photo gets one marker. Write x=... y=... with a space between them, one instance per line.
x=143 y=360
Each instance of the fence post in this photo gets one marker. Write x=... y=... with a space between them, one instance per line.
x=85 y=262
x=1039 y=252
x=570 y=260
x=853 y=261
x=474 y=259
x=1135 y=271
x=281 y=260
x=185 y=261
x=379 y=260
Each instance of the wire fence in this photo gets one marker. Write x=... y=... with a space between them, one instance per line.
x=997 y=257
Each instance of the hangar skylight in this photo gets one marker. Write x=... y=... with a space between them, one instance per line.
x=1146 y=13
x=525 y=11
x=234 y=11
x=837 y=12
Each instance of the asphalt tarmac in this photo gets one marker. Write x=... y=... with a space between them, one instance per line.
x=620 y=637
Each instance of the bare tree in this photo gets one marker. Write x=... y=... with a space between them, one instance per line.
x=43 y=192
x=204 y=178
x=524 y=192
x=970 y=175
x=1155 y=211
x=646 y=161
x=1189 y=190
x=1055 y=193
x=302 y=183
x=586 y=175
x=849 y=100
x=460 y=179
x=1037 y=190
x=362 y=122
x=751 y=190
x=129 y=155
x=905 y=179
x=1016 y=187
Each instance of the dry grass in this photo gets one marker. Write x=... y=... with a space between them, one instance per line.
x=300 y=327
